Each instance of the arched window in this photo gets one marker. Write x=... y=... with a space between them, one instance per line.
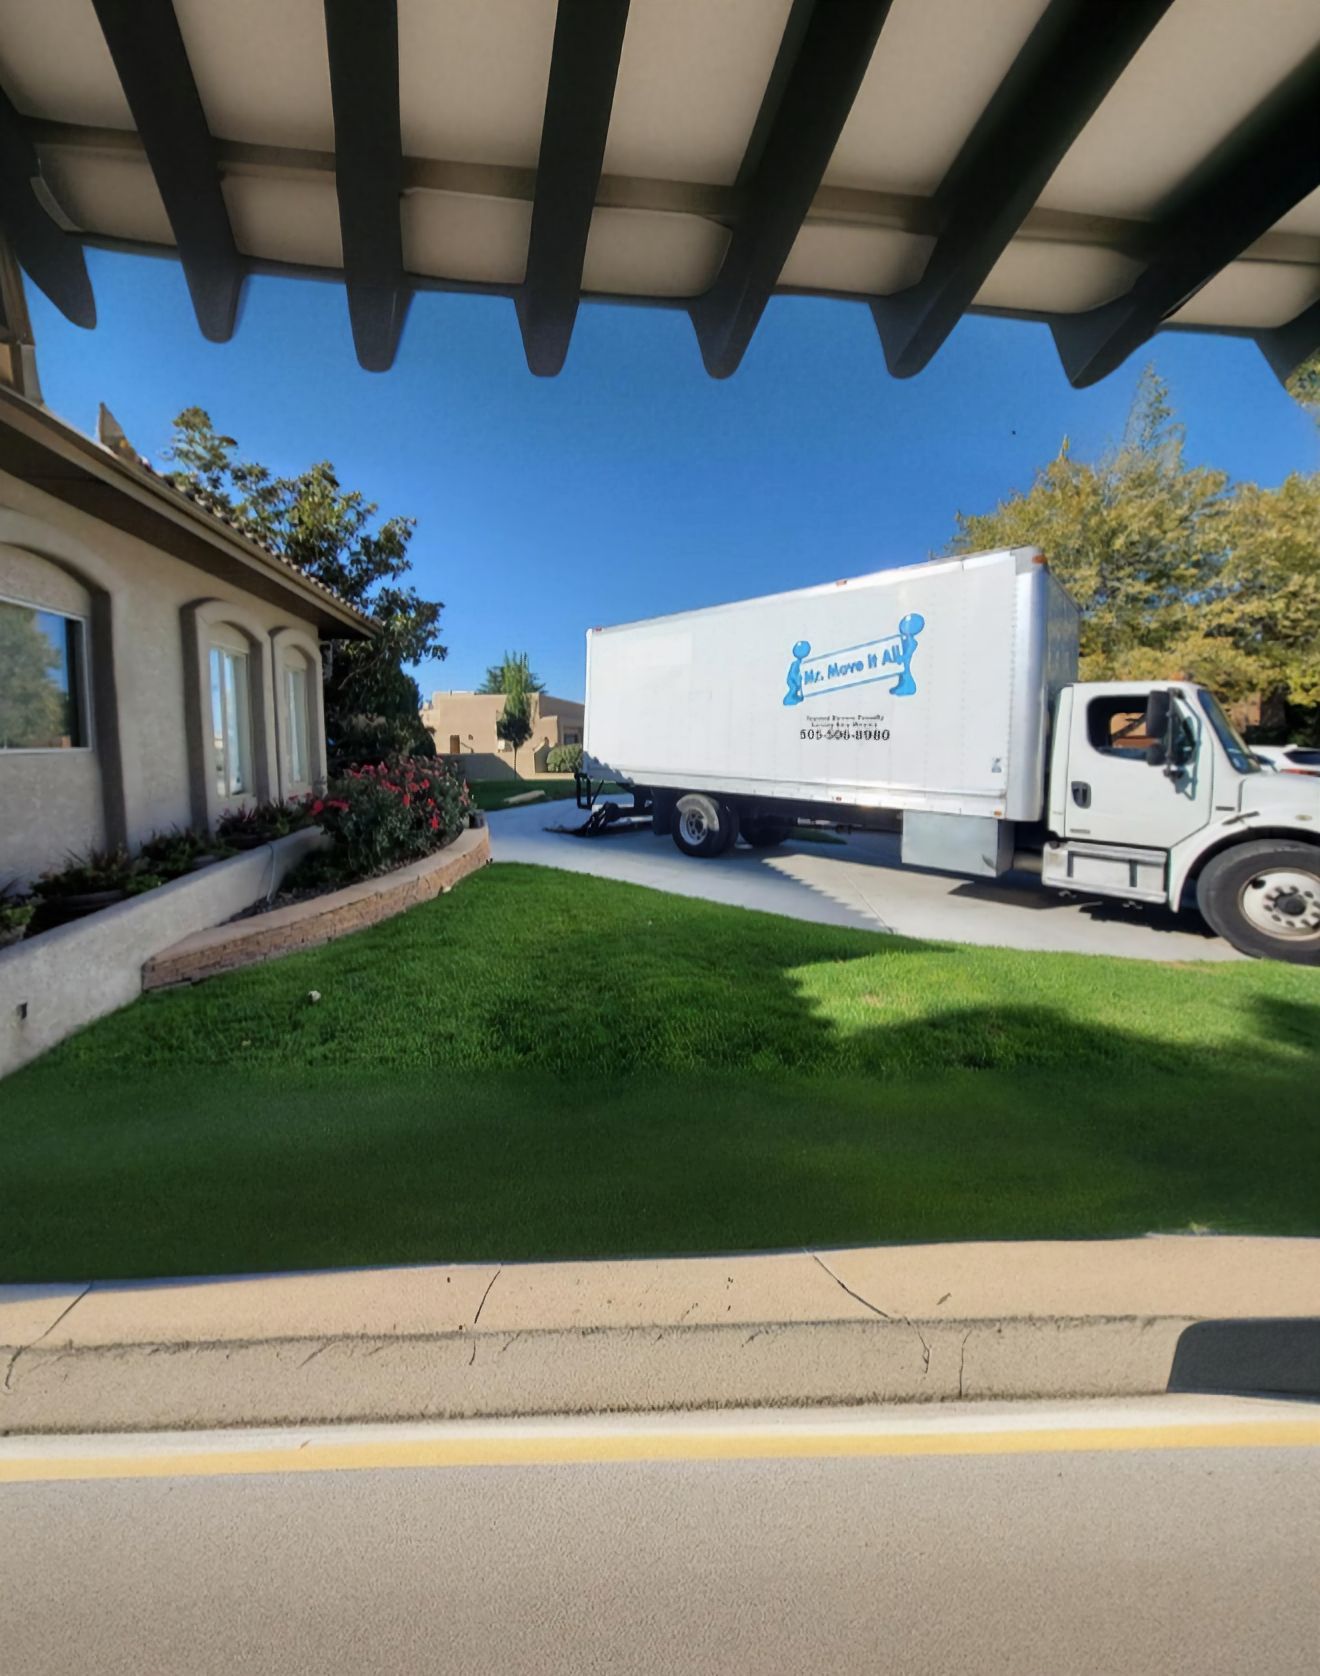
x=298 y=730
x=231 y=712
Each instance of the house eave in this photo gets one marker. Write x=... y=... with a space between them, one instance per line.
x=42 y=450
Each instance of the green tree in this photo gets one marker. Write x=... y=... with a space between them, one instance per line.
x=336 y=535
x=1270 y=607
x=33 y=707
x=1304 y=386
x=1137 y=538
x=514 y=725
x=1178 y=573
x=513 y=673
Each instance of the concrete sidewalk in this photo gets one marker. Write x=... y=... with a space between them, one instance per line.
x=890 y=1323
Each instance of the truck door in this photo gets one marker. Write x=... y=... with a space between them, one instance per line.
x=1113 y=795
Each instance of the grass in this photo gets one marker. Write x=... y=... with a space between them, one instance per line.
x=495 y=794
x=815 y=835
x=544 y=1065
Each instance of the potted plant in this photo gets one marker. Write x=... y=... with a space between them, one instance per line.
x=16 y=911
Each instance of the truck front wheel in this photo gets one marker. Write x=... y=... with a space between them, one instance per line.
x=1264 y=898
x=702 y=825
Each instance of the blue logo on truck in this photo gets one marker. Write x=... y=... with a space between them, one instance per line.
x=856 y=666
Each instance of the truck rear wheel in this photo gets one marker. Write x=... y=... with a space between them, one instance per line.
x=702 y=825
x=1264 y=898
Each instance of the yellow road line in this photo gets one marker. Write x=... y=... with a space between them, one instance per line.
x=640 y=1447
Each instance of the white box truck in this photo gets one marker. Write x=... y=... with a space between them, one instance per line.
x=947 y=693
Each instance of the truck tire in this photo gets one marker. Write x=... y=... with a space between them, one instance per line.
x=1264 y=898
x=701 y=825
x=765 y=834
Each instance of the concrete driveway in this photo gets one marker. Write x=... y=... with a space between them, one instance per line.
x=861 y=883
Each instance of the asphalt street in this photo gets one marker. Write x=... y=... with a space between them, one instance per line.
x=1169 y=1536
x=862 y=883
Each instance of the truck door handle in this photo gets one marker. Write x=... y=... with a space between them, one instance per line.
x=1081 y=794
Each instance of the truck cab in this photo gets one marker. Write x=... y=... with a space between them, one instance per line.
x=1152 y=794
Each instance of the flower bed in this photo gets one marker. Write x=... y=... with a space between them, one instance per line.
x=377 y=818
x=382 y=816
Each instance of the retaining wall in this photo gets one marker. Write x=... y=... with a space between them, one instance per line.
x=304 y=925
x=54 y=984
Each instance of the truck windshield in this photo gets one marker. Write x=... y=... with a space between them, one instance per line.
x=1235 y=748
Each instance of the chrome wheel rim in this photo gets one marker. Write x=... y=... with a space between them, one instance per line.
x=1283 y=902
x=693 y=824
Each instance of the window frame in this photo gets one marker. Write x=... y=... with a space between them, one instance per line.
x=232 y=646
x=82 y=683
x=1113 y=705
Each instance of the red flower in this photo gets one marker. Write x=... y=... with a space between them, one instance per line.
x=407 y=801
x=435 y=822
x=317 y=806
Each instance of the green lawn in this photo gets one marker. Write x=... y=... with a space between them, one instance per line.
x=542 y=1064
x=495 y=794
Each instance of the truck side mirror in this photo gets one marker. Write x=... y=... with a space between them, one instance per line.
x=1159 y=717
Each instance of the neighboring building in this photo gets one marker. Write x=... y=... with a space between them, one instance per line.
x=156 y=667
x=463 y=724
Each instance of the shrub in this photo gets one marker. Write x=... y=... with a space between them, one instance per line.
x=368 y=738
x=173 y=853
x=564 y=759
x=388 y=813
x=97 y=870
x=16 y=911
x=264 y=821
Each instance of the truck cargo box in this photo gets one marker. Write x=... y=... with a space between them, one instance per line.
x=921 y=688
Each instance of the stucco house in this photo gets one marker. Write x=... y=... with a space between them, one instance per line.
x=463 y=724
x=156 y=666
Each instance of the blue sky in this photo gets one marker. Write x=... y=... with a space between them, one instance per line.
x=633 y=484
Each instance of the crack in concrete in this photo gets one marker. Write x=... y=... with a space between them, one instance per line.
x=477 y=1317
x=32 y=1344
x=962 y=1359
x=875 y=1309
x=315 y=1353
x=865 y=1302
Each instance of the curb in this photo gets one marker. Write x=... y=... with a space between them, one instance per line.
x=468 y=1375
x=1027 y=1320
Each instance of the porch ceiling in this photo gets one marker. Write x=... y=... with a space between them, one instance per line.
x=1112 y=167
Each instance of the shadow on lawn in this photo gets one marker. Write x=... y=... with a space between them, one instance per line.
x=967 y=1136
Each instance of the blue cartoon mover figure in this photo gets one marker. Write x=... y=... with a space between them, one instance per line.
x=801 y=650
x=908 y=630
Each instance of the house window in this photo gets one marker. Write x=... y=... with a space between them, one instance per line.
x=572 y=738
x=295 y=705
x=43 y=680
x=231 y=726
